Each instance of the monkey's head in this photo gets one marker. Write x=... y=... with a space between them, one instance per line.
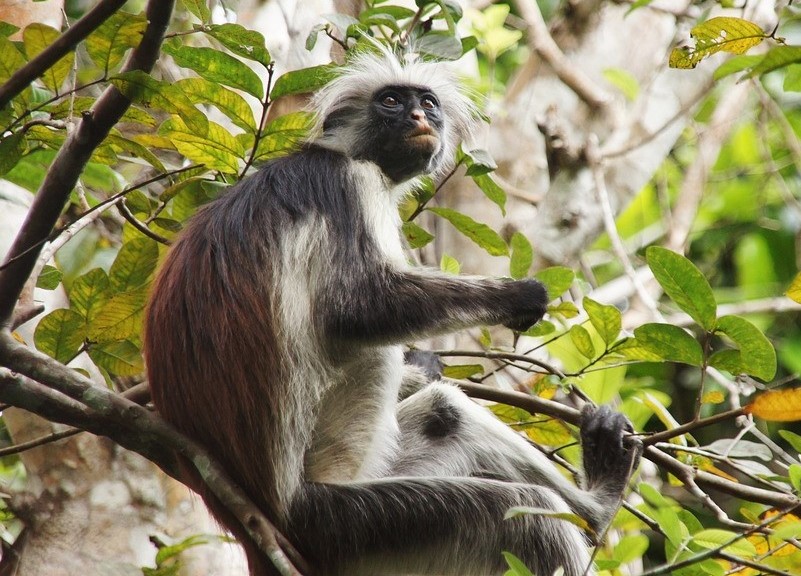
x=406 y=116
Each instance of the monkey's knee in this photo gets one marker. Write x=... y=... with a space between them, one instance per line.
x=432 y=412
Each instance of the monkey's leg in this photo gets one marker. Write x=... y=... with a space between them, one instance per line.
x=437 y=526
x=444 y=433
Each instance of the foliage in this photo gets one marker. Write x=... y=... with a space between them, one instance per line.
x=184 y=141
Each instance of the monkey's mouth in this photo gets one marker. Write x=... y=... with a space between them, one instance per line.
x=423 y=137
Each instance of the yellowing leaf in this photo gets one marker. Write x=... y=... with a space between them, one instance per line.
x=714 y=397
x=777 y=405
x=794 y=291
x=567 y=516
x=721 y=34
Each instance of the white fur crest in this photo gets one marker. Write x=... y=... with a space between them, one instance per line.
x=369 y=71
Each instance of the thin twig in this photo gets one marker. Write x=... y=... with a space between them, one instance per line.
x=132 y=220
x=37 y=65
x=50 y=438
x=594 y=163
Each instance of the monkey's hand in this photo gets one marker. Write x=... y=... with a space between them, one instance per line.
x=428 y=362
x=611 y=453
x=525 y=304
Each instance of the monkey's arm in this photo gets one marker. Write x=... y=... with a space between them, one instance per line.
x=397 y=305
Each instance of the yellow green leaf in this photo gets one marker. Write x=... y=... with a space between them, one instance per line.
x=720 y=34
x=217 y=149
x=36 y=38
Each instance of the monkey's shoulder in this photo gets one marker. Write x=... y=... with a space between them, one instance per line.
x=312 y=180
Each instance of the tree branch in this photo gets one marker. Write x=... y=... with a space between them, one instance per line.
x=23 y=77
x=542 y=43
x=49 y=389
x=70 y=161
x=694 y=479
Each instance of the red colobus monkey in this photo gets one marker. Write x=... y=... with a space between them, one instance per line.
x=274 y=337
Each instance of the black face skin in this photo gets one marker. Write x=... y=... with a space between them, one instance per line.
x=406 y=124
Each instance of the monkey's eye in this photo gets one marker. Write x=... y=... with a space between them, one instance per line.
x=428 y=103
x=389 y=100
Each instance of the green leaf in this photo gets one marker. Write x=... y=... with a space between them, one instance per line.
x=60 y=334
x=198 y=8
x=50 y=278
x=216 y=66
x=757 y=354
x=231 y=104
x=36 y=38
x=440 y=45
x=491 y=190
x=241 y=41
x=669 y=343
x=450 y=265
x=416 y=236
x=284 y=134
x=728 y=361
x=7 y=29
x=721 y=34
x=121 y=357
x=218 y=149
x=108 y=44
x=10 y=61
x=122 y=145
x=792 y=78
x=684 y=284
x=479 y=233
x=792 y=438
x=548 y=513
x=134 y=265
x=89 y=292
x=12 y=147
x=624 y=81
x=795 y=476
x=516 y=566
x=630 y=548
x=633 y=349
x=606 y=319
x=734 y=65
x=716 y=538
x=462 y=371
x=303 y=81
x=120 y=317
x=582 y=341
x=541 y=328
x=557 y=280
x=478 y=161
x=778 y=57
x=146 y=90
x=522 y=256
x=564 y=309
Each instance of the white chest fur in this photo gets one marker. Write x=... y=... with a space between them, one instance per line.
x=379 y=204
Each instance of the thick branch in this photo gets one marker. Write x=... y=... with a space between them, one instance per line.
x=70 y=161
x=23 y=77
x=49 y=389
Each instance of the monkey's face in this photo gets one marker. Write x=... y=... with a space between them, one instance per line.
x=405 y=131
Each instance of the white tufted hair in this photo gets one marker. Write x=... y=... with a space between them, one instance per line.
x=368 y=71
